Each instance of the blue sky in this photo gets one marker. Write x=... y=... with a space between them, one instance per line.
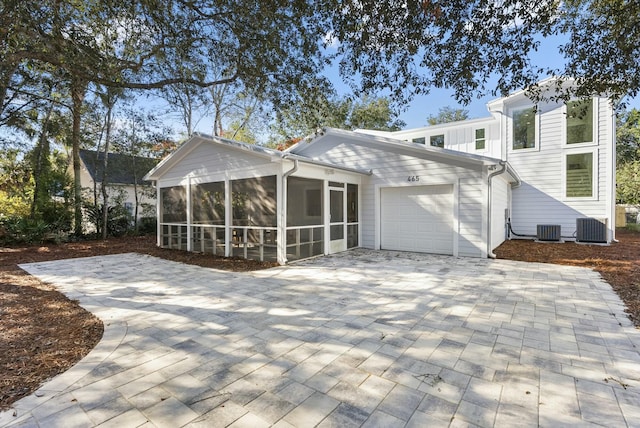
x=416 y=112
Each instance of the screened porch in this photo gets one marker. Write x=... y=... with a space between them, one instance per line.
x=321 y=218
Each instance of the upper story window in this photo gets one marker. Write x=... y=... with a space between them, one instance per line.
x=419 y=140
x=480 y=139
x=579 y=175
x=524 y=128
x=580 y=122
x=437 y=140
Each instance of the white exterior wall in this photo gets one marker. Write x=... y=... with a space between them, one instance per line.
x=392 y=169
x=472 y=214
x=541 y=198
x=212 y=162
x=500 y=190
x=459 y=136
x=146 y=195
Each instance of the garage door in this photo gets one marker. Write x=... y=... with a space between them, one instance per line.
x=417 y=218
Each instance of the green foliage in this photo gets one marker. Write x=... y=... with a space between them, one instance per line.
x=628 y=157
x=628 y=136
x=13 y=205
x=477 y=47
x=23 y=230
x=343 y=113
x=448 y=114
x=119 y=221
x=148 y=226
x=634 y=227
x=628 y=179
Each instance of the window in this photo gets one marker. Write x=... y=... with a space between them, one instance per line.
x=524 y=128
x=419 y=140
x=480 y=139
x=437 y=140
x=579 y=175
x=580 y=122
x=129 y=207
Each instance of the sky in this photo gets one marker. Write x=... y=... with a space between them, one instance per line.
x=416 y=112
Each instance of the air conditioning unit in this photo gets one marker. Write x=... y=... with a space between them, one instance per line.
x=591 y=230
x=548 y=232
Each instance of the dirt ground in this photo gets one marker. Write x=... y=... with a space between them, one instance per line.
x=42 y=333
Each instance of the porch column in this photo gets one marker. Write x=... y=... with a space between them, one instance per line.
x=228 y=214
x=189 y=207
x=281 y=216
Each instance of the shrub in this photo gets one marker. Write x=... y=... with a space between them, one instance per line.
x=23 y=230
x=148 y=225
x=118 y=218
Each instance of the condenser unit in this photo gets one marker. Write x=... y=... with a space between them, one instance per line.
x=548 y=232
x=591 y=230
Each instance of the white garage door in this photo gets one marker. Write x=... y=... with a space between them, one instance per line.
x=417 y=218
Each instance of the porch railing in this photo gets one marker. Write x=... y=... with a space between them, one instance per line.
x=254 y=242
x=304 y=242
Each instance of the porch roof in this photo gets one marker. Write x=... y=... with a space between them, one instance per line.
x=261 y=151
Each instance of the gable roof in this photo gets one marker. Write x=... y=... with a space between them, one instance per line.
x=120 y=167
x=392 y=145
x=257 y=150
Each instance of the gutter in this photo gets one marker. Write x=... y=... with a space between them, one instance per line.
x=504 y=168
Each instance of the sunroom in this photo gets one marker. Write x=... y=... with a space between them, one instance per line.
x=226 y=198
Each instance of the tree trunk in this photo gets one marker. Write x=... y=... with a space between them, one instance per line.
x=105 y=181
x=78 y=90
x=6 y=73
x=135 y=195
x=41 y=162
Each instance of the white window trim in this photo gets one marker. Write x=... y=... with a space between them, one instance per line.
x=536 y=124
x=594 y=111
x=594 y=167
x=444 y=140
x=486 y=139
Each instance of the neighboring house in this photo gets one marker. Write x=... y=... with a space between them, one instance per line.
x=450 y=189
x=123 y=171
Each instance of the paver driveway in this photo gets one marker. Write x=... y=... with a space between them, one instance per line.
x=361 y=338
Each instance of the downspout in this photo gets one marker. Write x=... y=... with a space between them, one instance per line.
x=283 y=215
x=503 y=164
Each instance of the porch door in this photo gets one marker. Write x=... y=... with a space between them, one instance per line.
x=337 y=216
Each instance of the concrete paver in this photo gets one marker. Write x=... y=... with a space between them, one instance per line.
x=362 y=338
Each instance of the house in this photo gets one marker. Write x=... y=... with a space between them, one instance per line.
x=541 y=171
x=125 y=177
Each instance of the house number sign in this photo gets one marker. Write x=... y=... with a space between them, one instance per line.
x=413 y=178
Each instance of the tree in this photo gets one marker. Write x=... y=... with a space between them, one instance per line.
x=628 y=136
x=628 y=183
x=271 y=47
x=409 y=47
x=448 y=114
x=136 y=138
x=628 y=157
x=343 y=113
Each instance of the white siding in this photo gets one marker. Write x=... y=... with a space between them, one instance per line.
x=541 y=198
x=472 y=217
x=459 y=136
x=499 y=203
x=395 y=169
x=209 y=159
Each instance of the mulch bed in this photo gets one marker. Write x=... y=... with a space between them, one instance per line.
x=42 y=333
